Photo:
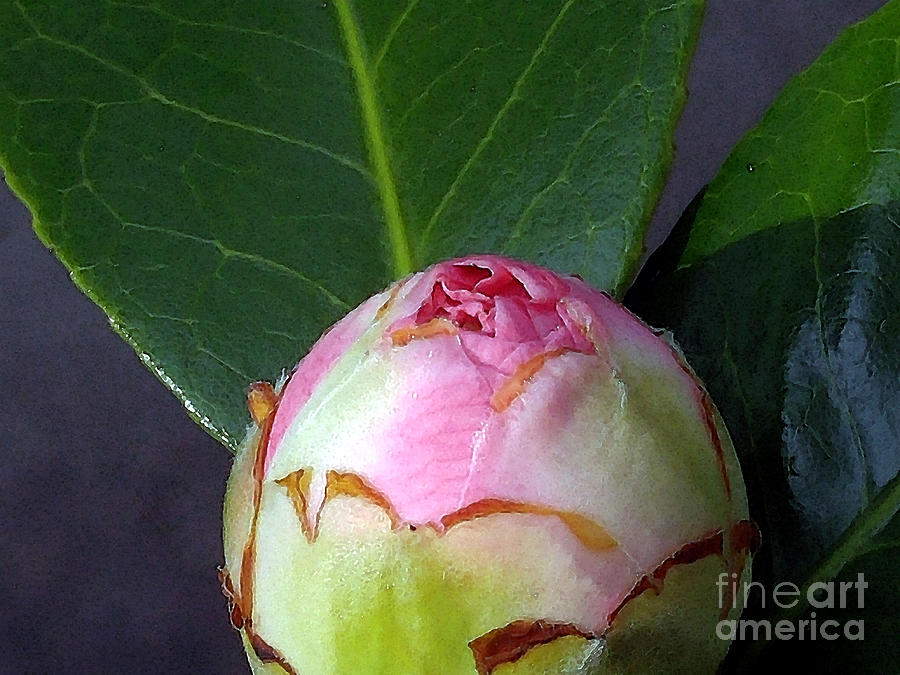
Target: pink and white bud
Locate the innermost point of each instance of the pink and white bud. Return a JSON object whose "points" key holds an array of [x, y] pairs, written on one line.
{"points": [[486, 468]]}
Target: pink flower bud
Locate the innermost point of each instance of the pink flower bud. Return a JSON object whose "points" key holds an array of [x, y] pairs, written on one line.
{"points": [[486, 468]]}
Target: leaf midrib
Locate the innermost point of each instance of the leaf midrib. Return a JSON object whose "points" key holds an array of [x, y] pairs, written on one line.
{"points": [[373, 128]]}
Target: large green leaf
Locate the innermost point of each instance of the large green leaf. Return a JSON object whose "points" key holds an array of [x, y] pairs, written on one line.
{"points": [[785, 297], [227, 179]]}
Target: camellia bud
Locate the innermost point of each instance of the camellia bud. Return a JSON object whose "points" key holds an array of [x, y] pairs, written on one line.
{"points": [[487, 468]]}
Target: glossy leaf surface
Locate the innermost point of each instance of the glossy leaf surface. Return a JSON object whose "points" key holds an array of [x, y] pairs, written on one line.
{"points": [[228, 180], [785, 299]]}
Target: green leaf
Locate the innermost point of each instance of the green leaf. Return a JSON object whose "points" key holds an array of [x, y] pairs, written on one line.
{"points": [[784, 296], [227, 180], [878, 652], [828, 144]]}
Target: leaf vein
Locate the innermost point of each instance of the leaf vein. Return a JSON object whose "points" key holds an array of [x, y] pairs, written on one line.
{"points": [[175, 18], [250, 257], [226, 365], [563, 176], [488, 136], [157, 95], [386, 45]]}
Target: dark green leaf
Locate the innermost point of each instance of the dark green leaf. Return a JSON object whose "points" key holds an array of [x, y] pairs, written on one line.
{"points": [[228, 179], [786, 300], [876, 608]]}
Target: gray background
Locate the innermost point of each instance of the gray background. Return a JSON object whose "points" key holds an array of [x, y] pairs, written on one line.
{"points": [[110, 496]]}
